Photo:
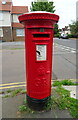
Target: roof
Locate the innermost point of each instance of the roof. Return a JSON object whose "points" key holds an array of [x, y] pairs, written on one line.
{"points": [[13, 9], [19, 9], [6, 0], [7, 6], [17, 25]]}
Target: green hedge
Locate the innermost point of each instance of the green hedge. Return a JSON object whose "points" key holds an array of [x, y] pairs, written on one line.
{"points": [[72, 36]]}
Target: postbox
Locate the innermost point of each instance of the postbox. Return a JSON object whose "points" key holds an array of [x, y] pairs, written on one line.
{"points": [[38, 49]]}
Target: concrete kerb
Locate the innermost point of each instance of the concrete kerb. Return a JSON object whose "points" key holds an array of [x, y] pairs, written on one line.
{"points": [[73, 91], [72, 80], [72, 88]]}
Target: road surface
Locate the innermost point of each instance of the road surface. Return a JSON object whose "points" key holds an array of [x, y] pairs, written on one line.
{"points": [[64, 59]]}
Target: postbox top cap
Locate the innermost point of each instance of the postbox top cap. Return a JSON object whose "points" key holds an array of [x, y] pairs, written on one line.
{"points": [[38, 15]]}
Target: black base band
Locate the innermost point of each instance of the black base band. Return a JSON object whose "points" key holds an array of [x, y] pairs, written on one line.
{"points": [[37, 104]]}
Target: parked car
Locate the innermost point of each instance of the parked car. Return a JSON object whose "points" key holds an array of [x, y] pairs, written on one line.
{"points": [[63, 36]]}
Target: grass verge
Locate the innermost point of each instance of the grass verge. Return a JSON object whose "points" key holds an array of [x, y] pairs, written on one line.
{"points": [[61, 99], [25, 108], [64, 82], [16, 92], [13, 93], [66, 102]]}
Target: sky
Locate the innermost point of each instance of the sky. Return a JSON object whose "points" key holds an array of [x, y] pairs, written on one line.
{"points": [[66, 9]]}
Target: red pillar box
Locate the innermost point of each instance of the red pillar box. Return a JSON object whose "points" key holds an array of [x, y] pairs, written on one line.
{"points": [[38, 48]]}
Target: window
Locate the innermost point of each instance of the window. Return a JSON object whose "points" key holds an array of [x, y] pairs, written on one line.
{"points": [[1, 32], [19, 32], [1, 16], [3, 2]]}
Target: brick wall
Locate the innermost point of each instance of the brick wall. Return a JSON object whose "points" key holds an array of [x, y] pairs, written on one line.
{"points": [[7, 34], [15, 37]]}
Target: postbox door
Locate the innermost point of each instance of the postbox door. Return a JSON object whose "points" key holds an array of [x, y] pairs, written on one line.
{"points": [[39, 62], [43, 68]]}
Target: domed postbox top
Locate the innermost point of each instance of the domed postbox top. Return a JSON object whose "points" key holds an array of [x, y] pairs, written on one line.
{"points": [[38, 15]]}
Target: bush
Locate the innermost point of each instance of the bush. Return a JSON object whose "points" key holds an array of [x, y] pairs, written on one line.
{"points": [[72, 36], [56, 35]]}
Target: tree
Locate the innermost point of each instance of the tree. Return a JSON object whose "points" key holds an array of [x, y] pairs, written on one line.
{"points": [[74, 28], [44, 5], [56, 30]]}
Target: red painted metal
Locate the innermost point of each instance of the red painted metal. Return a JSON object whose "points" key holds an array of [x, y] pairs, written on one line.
{"points": [[38, 72]]}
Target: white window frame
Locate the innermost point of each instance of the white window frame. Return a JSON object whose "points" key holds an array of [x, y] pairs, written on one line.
{"points": [[1, 32], [20, 32], [1, 16]]}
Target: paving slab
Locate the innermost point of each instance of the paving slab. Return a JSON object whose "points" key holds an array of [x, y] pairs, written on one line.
{"points": [[73, 91], [10, 107]]}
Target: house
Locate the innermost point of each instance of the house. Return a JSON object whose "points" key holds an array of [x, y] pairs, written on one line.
{"points": [[65, 30], [10, 28]]}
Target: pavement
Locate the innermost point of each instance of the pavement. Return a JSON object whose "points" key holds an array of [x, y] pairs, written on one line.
{"points": [[10, 107]]}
